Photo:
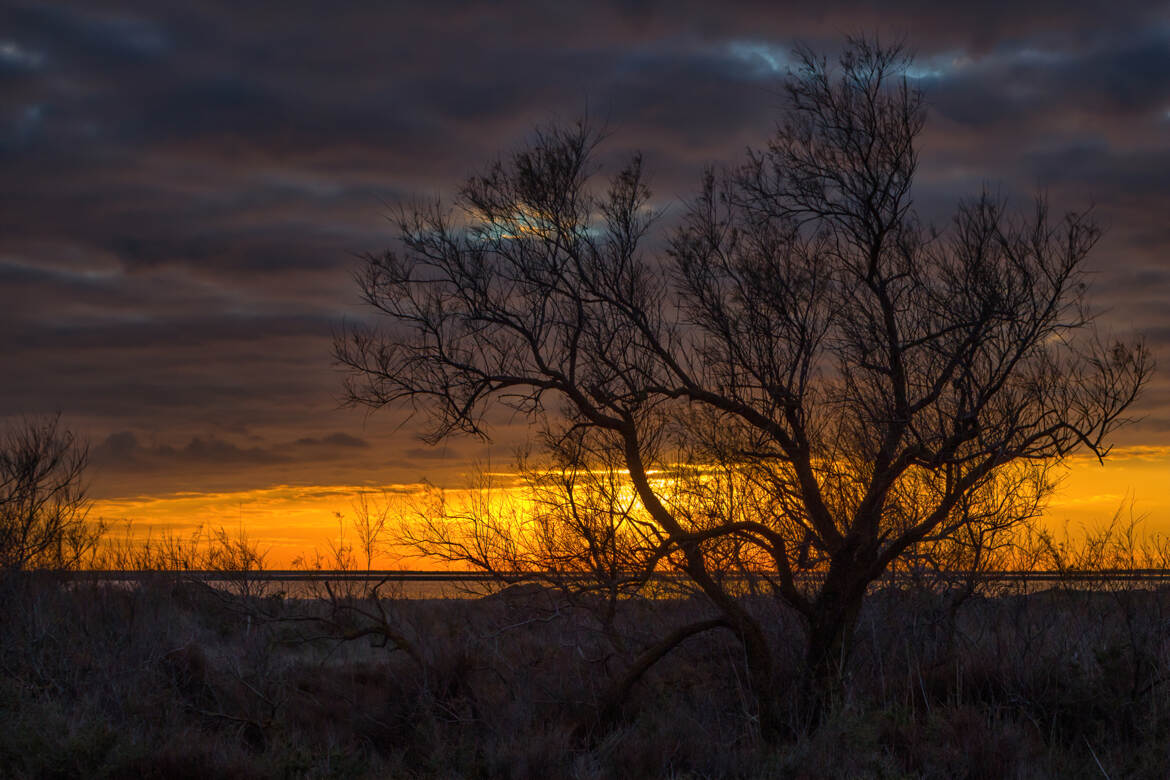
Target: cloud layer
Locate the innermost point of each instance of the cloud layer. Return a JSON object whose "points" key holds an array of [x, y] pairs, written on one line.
{"points": [[186, 184]]}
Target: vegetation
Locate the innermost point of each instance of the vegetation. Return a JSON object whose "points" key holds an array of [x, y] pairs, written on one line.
{"points": [[171, 678], [162, 675], [809, 381], [43, 507]]}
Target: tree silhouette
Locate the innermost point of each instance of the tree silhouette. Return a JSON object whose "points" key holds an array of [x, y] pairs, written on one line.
{"points": [[807, 381], [43, 506]]}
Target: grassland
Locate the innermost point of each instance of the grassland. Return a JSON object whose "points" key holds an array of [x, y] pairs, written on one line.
{"points": [[172, 679]]}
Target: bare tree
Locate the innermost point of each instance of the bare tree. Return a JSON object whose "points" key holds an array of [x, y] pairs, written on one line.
{"points": [[807, 387], [43, 507], [370, 519]]}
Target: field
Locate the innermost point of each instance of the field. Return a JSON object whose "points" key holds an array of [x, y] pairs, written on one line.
{"points": [[171, 678]]}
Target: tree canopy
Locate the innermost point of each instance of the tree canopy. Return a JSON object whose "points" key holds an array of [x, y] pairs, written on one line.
{"points": [[833, 384]]}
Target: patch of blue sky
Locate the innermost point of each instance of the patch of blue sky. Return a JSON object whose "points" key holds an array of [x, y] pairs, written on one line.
{"points": [[770, 59], [951, 63], [937, 66], [15, 55], [1033, 56], [762, 57]]}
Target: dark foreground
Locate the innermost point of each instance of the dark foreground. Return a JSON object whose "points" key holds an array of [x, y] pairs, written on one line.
{"points": [[173, 679]]}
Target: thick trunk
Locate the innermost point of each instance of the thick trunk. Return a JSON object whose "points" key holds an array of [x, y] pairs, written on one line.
{"points": [[829, 639], [762, 674], [761, 667], [830, 636], [757, 651]]}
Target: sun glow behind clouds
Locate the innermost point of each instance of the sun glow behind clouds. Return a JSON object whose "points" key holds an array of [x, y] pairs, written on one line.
{"points": [[1137, 477], [286, 521], [291, 521]]}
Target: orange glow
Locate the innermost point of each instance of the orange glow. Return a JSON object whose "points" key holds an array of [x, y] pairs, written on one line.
{"points": [[291, 521], [286, 521], [1092, 493]]}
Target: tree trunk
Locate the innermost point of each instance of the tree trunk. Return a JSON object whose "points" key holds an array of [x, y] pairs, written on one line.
{"points": [[830, 636], [761, 671], [757, 652]]}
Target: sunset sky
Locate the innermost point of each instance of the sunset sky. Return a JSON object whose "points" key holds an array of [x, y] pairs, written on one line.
{"points": [[186, 187]]}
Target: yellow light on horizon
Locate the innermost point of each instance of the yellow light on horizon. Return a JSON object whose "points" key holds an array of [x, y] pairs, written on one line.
{"points": [[288, 522]]}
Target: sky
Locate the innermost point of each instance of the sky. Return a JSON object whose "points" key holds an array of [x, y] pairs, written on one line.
{"points": [[185, 190]]}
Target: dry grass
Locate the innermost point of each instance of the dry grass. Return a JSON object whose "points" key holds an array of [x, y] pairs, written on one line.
{"points": [[173, 679]]}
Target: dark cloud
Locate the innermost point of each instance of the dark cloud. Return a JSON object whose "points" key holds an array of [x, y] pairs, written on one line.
{"points": [[186, 184], [122, 450], [431, 453], [97, 38], [333, 440]]}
